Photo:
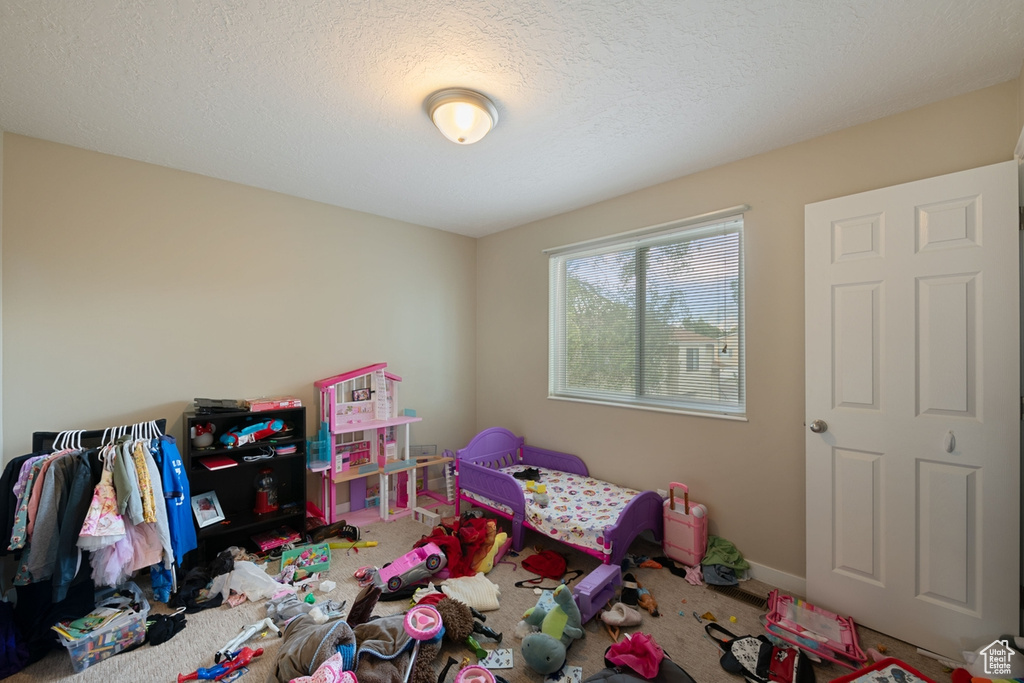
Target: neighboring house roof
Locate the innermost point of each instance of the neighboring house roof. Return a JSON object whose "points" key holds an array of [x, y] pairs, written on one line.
{"points": [[685, 336]]}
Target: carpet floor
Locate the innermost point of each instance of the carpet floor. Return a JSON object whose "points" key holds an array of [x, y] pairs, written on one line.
{"points": [[677, 630]]}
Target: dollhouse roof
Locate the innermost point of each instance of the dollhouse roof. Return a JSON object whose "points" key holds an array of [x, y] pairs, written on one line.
{"points": [[352, 374]]}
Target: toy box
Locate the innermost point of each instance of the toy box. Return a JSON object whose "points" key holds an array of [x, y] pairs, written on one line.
{"points": [[123, 631], [311, 558]]}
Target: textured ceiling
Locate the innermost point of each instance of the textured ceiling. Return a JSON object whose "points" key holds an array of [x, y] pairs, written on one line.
{"points": [[596, 98]]}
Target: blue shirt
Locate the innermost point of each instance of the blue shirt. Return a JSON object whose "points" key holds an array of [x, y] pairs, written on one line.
{"points": [[177, 498]]}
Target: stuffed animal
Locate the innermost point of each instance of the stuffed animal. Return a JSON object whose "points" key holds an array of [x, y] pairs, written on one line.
{"points": [[545, 649], [540, 495]]}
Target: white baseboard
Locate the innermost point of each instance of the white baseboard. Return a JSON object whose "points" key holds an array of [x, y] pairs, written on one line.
{"points": [[789, 583]]}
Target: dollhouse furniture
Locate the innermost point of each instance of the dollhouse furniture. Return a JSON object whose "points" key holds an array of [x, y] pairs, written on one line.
{"points": [[594, 516], [359, 421]]}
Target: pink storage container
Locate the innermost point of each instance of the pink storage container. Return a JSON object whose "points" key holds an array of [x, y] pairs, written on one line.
{"points": [[686, 528]]}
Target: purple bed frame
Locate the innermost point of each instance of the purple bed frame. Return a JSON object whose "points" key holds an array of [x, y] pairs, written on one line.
{"points": [[477, 470]]}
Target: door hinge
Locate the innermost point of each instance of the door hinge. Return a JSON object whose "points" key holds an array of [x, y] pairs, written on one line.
{"points": [[1020, 212]]}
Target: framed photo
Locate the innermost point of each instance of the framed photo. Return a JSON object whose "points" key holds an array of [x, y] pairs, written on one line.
{"points": [[360, 395], [206, 508]]}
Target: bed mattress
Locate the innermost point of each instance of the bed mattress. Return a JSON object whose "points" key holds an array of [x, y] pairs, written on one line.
{"points": [[580, 508]]}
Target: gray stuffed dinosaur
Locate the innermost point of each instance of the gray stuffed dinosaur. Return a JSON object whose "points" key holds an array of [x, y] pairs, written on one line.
{"points": [[544, 650]]}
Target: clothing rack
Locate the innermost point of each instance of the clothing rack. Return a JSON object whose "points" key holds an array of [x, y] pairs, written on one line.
{"points": [[94, 438], [90, 438]]}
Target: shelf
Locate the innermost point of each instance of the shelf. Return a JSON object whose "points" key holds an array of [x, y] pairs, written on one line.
{"points": [[427, 461], [235, 487], [350, 427], [203, 452], [250, 520], [197, 464]]}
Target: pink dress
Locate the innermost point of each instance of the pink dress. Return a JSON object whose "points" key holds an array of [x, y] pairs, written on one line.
{"points": [[103, 526]]}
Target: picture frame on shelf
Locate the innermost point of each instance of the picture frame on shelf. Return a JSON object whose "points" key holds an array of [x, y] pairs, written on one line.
{"points": [[360, 395], [206, 508]]}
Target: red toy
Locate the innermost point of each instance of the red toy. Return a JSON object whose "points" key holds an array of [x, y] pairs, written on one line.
{"points": [[214, 673]]}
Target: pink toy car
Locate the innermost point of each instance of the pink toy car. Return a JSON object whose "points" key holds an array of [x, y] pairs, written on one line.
{"points": [[414, 566]]}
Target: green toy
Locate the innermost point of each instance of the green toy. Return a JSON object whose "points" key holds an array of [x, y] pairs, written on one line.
{"points": [[545, 649]]}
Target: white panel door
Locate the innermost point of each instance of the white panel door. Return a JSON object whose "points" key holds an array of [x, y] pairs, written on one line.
{"points": [[912, 341]]}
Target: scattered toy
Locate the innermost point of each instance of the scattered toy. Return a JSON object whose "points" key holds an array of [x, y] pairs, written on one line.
{"points": [[246, 633], [239, 659], [646, 600], [544, 651], [709, 616]]}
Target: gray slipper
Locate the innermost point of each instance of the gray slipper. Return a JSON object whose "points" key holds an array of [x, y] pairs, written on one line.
{"points": [[621, 615]]}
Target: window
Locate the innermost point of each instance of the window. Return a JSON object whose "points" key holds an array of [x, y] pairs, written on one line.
{"points": [[632, 314], [692, 360]]}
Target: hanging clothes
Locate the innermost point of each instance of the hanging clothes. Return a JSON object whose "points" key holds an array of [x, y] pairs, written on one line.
{"points": [[160, 511], [177, 497], [68, 559], [19, 530], [9, 481], [38, 559], [139, 451], [37, 490], [102, 525], [126, 482]]}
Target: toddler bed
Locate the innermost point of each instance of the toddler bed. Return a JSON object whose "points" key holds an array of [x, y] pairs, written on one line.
{"points": [[594, 516]]}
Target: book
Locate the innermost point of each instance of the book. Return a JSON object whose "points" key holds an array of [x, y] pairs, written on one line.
{"points": [[268, 540], [218, 462], [75, 629], [256, 405]]}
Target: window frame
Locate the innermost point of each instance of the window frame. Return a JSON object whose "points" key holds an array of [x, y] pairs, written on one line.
{"points": [[663, 233]]}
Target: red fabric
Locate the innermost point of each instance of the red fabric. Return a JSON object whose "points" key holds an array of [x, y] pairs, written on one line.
{"points": [[546, 563], [639, 652], [431, 599], [462, 543]]}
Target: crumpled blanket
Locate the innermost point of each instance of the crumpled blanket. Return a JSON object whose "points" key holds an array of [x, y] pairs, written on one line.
{"points": [[721, 551], [307, 645], [382, 649]]}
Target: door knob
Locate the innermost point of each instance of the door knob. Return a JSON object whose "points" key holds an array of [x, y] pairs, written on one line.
{"points": [[819, 426]]}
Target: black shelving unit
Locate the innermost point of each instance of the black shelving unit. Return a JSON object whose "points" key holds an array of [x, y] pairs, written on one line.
{"points": [[235, 486]]}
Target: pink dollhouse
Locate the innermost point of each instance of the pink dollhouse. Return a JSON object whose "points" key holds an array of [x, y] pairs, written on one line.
{"points": [[361, 427]]}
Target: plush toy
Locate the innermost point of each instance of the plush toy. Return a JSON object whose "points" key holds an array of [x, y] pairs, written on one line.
{"points": [[540, 495], [545, 649]]}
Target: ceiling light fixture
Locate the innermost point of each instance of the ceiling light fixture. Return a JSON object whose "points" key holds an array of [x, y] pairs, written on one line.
{"points": [[462, 116]]}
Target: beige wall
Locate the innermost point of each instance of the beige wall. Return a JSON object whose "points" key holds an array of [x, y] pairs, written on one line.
{"points": [[1020, 99], [751, 474], [129, 289]]}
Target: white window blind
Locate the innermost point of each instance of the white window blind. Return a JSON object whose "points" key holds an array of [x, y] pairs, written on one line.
{"points": [[651, 320]]}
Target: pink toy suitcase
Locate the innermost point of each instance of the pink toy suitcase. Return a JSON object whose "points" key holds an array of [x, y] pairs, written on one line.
{"points": [[686, 528]]}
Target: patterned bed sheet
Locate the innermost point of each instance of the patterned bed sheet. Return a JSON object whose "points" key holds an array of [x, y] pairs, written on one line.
{"points": [[580, 508]]}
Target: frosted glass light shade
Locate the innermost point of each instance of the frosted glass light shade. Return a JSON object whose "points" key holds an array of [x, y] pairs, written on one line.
{"points": [[462, 116]]}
